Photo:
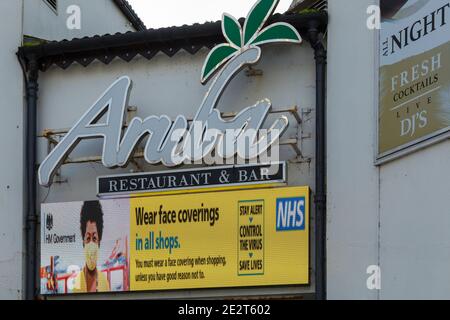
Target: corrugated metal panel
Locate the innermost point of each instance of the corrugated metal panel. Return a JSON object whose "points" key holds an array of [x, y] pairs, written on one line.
{"points": [[147, 43], [298, 5], [320, 5], [53, 4]]}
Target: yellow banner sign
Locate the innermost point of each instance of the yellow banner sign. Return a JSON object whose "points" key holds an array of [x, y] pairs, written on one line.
{"points": [[228, 239], [213, 239]]}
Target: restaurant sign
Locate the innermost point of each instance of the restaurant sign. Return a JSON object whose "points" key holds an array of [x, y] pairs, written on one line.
{"points": [[176, 142], [203, 239], [217, 176]]}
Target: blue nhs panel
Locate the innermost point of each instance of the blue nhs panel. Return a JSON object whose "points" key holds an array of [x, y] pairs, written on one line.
{"points": [[290, 214]]}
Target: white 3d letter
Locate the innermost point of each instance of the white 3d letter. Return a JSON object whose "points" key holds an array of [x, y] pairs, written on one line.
{"points": [[113, 102]]}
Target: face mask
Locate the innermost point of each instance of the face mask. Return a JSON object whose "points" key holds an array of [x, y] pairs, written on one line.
{"points": [[91, 254]]}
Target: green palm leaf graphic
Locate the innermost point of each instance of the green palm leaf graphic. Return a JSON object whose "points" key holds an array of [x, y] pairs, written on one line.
{"points": [[232, 30], [277, 32], [252, 35], [262, 10], [216, 58]]}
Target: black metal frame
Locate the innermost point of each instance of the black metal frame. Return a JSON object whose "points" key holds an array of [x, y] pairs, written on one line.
{"points": [[320, 56], [147, 44]]}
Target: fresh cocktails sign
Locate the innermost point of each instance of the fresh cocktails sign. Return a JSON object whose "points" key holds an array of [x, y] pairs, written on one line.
{"points": [[176, 142], [414, 74]]}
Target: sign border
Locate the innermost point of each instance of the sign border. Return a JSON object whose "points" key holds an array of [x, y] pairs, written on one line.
{"points": [[407, 148], [283, 180]]}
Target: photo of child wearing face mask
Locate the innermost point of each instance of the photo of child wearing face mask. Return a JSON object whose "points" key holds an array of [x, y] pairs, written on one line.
{"points": [[90, 279]]}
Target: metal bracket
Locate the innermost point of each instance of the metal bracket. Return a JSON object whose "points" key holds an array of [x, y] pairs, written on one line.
{"points": [[252, 72]]}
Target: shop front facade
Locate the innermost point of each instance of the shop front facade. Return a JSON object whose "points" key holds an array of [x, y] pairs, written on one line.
{"points": [[347, 213], [217, 223]]}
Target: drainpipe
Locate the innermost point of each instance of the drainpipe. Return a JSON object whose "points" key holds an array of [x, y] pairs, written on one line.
{"points": [[320, 56], [31, 74]]}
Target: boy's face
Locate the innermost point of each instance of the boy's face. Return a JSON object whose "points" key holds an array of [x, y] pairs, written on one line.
{"points": [[91, 234]]}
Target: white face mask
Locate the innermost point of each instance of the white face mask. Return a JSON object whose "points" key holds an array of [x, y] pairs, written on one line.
{"points": [[91, 255]]}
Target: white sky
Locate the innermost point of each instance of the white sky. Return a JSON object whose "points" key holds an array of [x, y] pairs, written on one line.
{"points": [[167, 13]]}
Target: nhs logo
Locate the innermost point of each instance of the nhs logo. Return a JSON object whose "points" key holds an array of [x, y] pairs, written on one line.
{"points": [[291, 214]]}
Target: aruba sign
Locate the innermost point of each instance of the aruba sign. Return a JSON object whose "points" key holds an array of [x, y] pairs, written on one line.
{"points": [[175, 142]]}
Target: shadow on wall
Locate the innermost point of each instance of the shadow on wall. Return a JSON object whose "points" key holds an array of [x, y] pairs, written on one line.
{"points": [[400, 9]]}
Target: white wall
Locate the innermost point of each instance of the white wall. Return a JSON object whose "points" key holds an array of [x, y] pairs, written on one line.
{"points": [[352, 208], [172, 86], [415, 224], [98, 17], [12, 155]]}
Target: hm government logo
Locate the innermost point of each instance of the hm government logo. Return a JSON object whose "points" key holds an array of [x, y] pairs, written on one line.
{"points": [[209, 138], [49, 221]]}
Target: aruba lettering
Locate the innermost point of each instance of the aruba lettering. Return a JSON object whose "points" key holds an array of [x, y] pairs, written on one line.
{"points": [[169, 142]]}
